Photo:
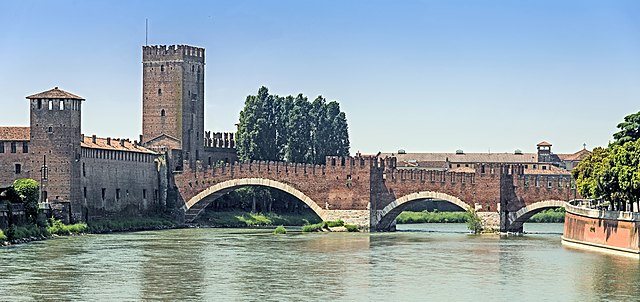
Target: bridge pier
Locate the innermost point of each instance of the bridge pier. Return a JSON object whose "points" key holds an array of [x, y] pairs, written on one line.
{"points": [[361, 218]]}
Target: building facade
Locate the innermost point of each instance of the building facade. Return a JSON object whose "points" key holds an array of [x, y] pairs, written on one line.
{"points": [[98, 177]]}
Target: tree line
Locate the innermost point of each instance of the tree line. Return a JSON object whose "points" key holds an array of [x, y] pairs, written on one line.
{"points": [[291, 129], [612, 174]]}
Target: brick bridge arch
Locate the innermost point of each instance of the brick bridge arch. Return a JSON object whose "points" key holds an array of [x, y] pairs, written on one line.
{"points": [[516, 220], [387, 216], [194, 206]]}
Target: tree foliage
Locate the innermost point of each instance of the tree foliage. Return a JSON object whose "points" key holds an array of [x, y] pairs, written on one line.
{"points": [[629, 129], [291, 129], [612, 174], [29, 192]]}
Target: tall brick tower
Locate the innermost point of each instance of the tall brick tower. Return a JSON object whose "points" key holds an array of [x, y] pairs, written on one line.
{"points": [[55, 146], [173, 98]]}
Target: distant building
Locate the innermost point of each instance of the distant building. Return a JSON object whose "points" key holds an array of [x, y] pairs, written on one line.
{"points": [[542, 162]]}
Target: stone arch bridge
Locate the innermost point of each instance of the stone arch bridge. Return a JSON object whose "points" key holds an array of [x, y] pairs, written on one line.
{"points": [[370, 191]]}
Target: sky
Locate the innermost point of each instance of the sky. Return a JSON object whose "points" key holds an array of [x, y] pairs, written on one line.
{"points": [[423, 76]]}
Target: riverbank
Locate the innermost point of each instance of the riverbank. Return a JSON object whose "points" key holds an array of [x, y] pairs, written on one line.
{"points": [[55, 228], [407, 217], [235, 219]]}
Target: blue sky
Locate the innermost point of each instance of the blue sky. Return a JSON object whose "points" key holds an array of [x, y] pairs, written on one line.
{"points": [[417, 75]]}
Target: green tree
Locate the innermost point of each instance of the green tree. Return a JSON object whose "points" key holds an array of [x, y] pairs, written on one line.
{"points": [[29, 192], [291, 128], [257, 127], [299, 131], [629, 129]]}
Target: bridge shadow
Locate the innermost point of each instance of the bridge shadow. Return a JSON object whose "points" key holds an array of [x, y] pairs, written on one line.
{"points": [[223, 207], [387, 217], [195, 206]]}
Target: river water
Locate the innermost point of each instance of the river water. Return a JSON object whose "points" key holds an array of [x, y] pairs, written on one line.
{"points": [[422, 262]]}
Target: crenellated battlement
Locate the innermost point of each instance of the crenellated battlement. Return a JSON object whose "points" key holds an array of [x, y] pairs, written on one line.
{"points": [[172, 52], [219, 139]]}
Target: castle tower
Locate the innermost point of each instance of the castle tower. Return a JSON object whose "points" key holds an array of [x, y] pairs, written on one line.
{"points": [[173, 98], [544, 151], [55, 146]]}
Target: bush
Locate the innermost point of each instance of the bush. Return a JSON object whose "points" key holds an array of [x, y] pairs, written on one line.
{"points": [[3, 237], [29, 191], [351, 227], [474, 223], [129, 224], [313, 227], [280, 230], [334, 223], [432, 217], [550, 215], [58, 228], [322, 225], [26, 231]]}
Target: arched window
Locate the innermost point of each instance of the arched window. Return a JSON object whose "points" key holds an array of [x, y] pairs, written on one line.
{"points": [[162, 113], [50, 130], [161, 67], [159, 91]]}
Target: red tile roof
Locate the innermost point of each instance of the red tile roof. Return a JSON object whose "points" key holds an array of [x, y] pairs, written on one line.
{"points": [[55, 93], [115, 144], [578, 156], [544, 144], [15, 133]]}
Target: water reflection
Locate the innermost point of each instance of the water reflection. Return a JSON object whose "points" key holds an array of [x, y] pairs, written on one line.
{"points": [[440, 262]]}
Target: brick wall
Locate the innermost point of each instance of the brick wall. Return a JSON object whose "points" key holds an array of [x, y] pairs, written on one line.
{"points": [[8, 163], [130, 182]]}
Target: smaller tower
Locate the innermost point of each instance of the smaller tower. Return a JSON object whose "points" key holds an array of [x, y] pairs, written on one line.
{"points": [[544, 152], [55, 146]]}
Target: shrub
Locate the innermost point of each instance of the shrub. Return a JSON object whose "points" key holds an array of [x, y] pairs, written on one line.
{"points": [[29, 191], [57, 227], [3, 237], [280, 230], [334, 223], [474, 223], [313, 227], [351, 227], [26, 231]]}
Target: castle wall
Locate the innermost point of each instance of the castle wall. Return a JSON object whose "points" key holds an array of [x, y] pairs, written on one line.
{"points": [[118, 183], [9, 160]]}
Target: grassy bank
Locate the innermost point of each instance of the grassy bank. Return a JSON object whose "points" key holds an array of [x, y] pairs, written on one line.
{"points": [[127, 224], [547, 216], [244, 219], [326, 225], [432, 217], [550, 215], [30, 232]]}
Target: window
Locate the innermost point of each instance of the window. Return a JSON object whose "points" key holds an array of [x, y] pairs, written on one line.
{"points": [[544, 167], [193, 68], [13, 147], [50, 104], [161, 67], [117, 194], [104, 191], [159, 91], [39, 103], [144, 193], [25, 147], [50, 130], [162, 113], [18, 168], [61, 104], [84, 171], [1, 147], [84, 193]]}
